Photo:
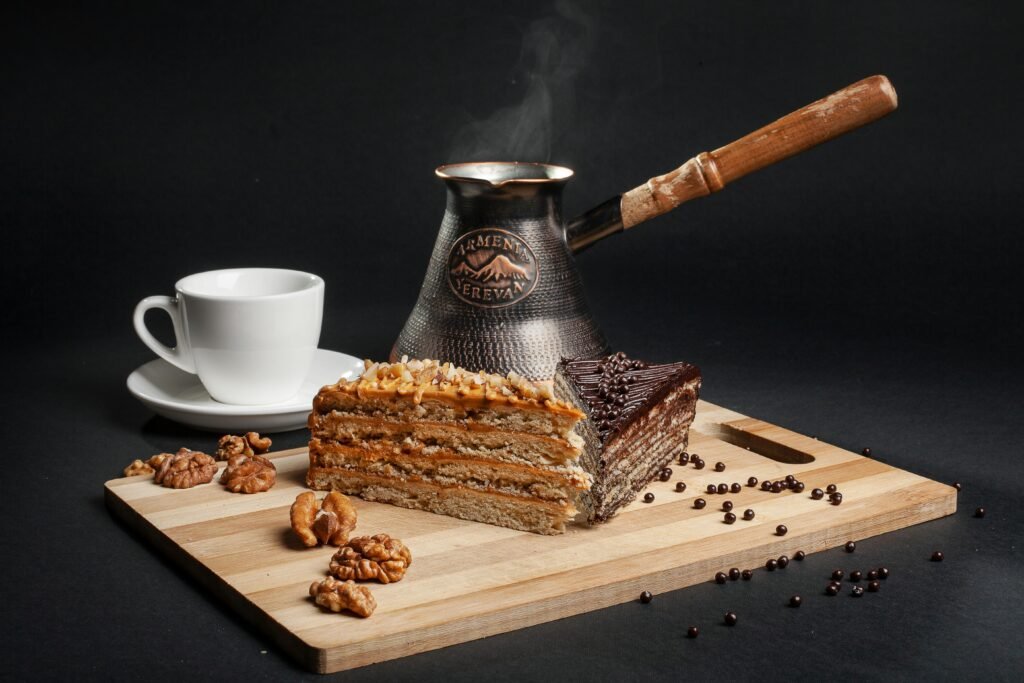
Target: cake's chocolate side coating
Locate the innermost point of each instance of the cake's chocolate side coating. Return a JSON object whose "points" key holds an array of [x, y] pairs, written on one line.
{"points": [[617, 389]]}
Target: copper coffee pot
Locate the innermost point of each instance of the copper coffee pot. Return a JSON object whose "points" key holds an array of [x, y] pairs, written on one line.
{"points": [[502, 291]]}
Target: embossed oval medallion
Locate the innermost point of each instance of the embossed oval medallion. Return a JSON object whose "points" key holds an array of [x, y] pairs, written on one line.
{"points": [[491, 268]]}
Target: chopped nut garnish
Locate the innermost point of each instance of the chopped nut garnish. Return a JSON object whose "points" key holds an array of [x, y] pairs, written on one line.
{"points": [[249, 474], [138, 468], [369, 558], [185, 469], [343, 595], [330, 522], [251, 443]]}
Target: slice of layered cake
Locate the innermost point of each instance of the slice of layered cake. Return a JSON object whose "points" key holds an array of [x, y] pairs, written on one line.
{"points": [[431, 436], [639, 417]]}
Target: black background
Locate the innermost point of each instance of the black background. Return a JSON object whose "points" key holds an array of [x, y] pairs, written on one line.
{"points": [[867, 292]]}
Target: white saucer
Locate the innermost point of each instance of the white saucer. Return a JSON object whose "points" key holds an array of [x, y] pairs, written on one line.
{"points": [[179, 396]]}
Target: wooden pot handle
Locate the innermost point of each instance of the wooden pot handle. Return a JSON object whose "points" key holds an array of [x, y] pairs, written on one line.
{"points": [[852, 107]]}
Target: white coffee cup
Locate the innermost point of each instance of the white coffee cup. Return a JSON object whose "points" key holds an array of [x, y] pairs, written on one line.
{"points": [[250, 334]]}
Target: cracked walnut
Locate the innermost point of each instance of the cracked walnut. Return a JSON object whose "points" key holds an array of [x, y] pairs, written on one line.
{"points": [[369, 558]]}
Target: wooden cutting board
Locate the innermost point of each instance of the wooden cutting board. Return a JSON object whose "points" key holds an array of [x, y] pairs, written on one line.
{"points": [[471, 580]]}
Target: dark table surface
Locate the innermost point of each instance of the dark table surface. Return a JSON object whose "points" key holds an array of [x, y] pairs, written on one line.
{"points": [[867, 293]]}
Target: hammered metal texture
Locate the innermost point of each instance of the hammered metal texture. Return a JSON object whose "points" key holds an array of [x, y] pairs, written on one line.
{"points": [[529, 336]]}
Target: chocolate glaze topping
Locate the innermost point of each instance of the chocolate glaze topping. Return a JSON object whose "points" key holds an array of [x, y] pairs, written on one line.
{"points": [[618, 389]]}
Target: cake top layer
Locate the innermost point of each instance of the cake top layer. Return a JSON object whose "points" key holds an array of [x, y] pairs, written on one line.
{"points": [[617, 389], [431, 379]]}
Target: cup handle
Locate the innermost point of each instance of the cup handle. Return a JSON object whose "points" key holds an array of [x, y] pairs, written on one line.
{"points": [[180, 355]]}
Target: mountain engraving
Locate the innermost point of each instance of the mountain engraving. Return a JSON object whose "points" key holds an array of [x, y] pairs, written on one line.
{"points": [[491, 267]]}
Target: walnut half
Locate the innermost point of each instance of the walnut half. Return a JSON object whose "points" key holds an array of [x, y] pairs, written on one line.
{"points": [[343, 595], [249, 474], [251, 443], [185, 469], [330, 522], [369, 558]]}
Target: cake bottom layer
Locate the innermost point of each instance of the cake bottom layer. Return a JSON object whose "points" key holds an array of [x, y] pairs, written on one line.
{"points": [[536, 516]]}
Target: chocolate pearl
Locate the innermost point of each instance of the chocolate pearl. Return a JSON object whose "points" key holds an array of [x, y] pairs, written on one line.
{"points": [[766, 485], [735, 487], [817, 494], [837, 584], [666, 474], [729, 518], [699, 503], [646, 597], [873, 575], [790, 479], [692, 632], [747, 574], [752, 481], [937, 556], [866, 452], [680, 486], [831, 488], [850, 546], [957, 485], [734, 574], [711, 488], [723, 488], [979, 513], [698, 464], [795, 601], [648, 497], [799, 555], [837, 575], [798, 487], [781, 530], [684, 458], [748, 514], [783, 561], [730, 619], [720, 577], [831, 589], [777, 487], [874, 586], [727, 506], [857, 591], [771, 565], [719, 467], [883, 573], [856, 576], [836, 498]]}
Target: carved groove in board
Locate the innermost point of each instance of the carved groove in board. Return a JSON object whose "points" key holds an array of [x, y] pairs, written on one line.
{"points": [[742, 433]]}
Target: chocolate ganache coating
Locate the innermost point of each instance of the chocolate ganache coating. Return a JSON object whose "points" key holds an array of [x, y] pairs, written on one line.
{"points": [[618, 389]]}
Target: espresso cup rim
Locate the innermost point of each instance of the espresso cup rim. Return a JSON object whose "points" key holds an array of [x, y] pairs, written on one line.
{"points": [[313, 282]]}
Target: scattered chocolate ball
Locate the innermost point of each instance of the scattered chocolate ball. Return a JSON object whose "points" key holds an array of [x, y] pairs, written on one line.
{"points": [[698, 464], [723, 489], [957, 485], [837, 574], [874, 586], [873, 575], [648, 497], [766, 485], [857, 591], [850, 546], [730, 619], [735, 487], [727, 506], [684, 458], [783, 561], [781, 530], [729, 518], [790, 479], [799, 555], [798, 487], [795, 601], [680, 486], [831, 488], [771, 565], [748, 514], [734, 574], [937, 556], [719, 467], [838, 585], [836, 498], [666, 474], [720, 577], [883, 573], [831, 589], [752, 481], [866, 452], [747, 574], [699, 503], [856, 576], [817, 494], [646, 597], [777, 487], [692, 632], [979, 513], [711, 488]]}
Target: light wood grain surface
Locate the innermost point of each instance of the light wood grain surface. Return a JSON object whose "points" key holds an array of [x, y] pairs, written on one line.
{"points": [[471, 580]]}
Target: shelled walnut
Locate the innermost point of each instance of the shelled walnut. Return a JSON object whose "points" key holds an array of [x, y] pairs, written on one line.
{"points": [[329, 522], [372, 558], [248, 474], [138, 468], [251, 443], [186, 469], [343, 595]]}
